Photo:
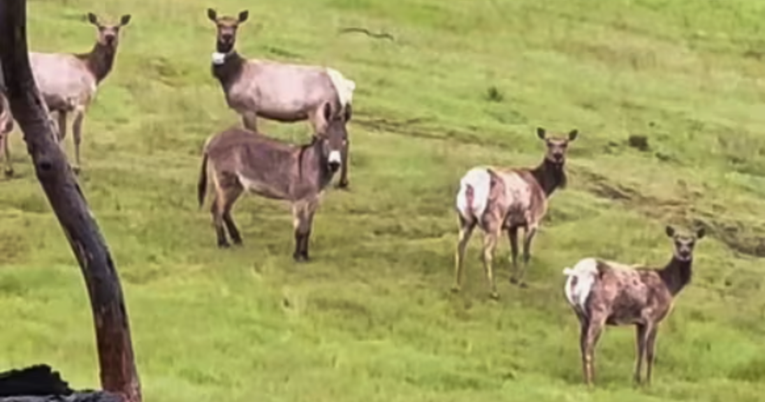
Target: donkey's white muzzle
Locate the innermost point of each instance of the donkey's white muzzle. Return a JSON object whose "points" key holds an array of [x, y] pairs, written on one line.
{"points": [[334, 159]]}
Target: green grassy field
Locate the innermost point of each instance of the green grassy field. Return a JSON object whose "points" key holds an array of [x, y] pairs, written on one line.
{"points": [[371, 318]]}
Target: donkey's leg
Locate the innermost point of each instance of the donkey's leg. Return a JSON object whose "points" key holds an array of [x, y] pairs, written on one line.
{"points": [[650, 349], [490, 237], [529, 234], [79, 115], [466, 230], [217, 218], [232, 194], [344, 183], [307, 225], [301, 228], [640, 344], [7, 153]]}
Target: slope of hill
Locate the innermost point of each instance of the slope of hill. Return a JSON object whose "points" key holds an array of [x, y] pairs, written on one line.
{"points": [[465, 82]]}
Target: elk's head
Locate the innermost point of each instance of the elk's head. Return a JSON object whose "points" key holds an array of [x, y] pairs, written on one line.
{"points": [[684, 244], [108, 34], [556, 146], [226, 26], [334, 137]]}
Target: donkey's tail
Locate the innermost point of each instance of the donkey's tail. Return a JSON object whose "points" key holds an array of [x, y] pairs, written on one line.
{"points": [[579, 283], [202, 184], [473, 196]]}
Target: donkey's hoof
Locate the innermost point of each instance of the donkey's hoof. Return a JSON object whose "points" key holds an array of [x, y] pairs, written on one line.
{"points": [[9, 172], [224, 245], [300, 257]]}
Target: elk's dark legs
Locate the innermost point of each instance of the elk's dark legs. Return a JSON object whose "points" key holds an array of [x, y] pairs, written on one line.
{"points": [[640, 345], [77, 131], [594, 329], [7, 153], [650, 349], [232, 193], [250, 121], [490, 237], [512, 235], [466, 230], [583, 330], [518, 275], [61, 126]]}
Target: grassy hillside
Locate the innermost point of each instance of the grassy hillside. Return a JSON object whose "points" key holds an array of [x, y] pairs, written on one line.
{"points": [[371, 318]]}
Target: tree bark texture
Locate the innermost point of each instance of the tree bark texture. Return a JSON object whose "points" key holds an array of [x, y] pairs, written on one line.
{"points": [[115, 352]]}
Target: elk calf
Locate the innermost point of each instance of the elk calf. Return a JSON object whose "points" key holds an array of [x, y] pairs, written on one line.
{"points": [[239, 160], [608, 293], [277, 91], [497, 199], [6, 126], [68, 82]]}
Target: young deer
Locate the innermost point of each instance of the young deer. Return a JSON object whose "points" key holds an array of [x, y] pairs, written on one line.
{"points": [[499, 199], [277, 91], [242, 160], [68, 82], [609, 293], [6, 126]]}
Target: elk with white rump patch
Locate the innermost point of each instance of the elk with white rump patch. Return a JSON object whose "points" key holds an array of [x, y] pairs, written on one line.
{"points": [[276, 91], [609, 293], [497, 199], [242, 160], [6, 126], [68, 82]]}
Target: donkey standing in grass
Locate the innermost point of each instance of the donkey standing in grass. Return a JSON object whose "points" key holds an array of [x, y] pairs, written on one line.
{"points": [[68, 82], [6, 126], [609, 293], [242, 160], [277, 91], [508, 198]]}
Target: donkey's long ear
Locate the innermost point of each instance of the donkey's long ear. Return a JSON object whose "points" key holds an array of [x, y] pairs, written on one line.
{"points": [[92, 19], [541, 133], [125, 20], [348, 112], [243, 16], [573, 134], [700, 233], [670, 231], [327, 112], [212, 15]]}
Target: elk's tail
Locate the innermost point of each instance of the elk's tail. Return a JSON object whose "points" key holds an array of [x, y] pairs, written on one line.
{"points": [[579, 283], [473, 195], [343, 86], [202, 184]]}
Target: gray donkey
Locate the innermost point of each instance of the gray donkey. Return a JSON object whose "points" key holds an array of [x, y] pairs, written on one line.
{"points": [[276, 91], [6, 126], [68, 82], [239, 160]]}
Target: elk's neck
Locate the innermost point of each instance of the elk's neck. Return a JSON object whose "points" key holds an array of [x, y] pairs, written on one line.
{"points": [[229, 71], [676, 275], [550, 176], [100, 60]]}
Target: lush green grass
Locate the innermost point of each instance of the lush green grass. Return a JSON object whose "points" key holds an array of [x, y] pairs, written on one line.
{"points": [[371, 317]]}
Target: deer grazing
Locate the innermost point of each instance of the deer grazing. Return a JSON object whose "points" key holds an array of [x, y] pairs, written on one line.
{"points": [[6, 126], [68, 82], [277, 91], [609, 293], [242, 160], [497, 199]]}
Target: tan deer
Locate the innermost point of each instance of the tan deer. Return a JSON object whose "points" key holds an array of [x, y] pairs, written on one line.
{"points": [[277, 91], [497, 199], [68, 82], [609, 293]]}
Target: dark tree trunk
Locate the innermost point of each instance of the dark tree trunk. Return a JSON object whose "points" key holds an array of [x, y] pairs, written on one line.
{"points": [[115, 351]]}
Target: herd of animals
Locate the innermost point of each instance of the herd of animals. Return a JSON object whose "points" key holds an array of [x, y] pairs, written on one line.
{"points": [[240, 159]]}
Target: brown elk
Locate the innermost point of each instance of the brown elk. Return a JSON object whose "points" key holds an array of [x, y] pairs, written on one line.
{"points": [[68, 82], [609, 293], [6, 126], [239, 160], [499, 199], [276, 91]]}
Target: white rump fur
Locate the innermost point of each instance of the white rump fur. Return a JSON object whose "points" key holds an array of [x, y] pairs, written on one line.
{"points": [[343, 86], [585, 271], [480, 179]]}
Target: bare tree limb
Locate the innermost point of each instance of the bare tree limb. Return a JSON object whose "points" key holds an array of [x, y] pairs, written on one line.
{"points": [[376, 35], [115, 351]]}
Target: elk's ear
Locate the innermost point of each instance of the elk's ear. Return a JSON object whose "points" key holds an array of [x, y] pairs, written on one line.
{"points": [[670, 231], [243, 16], [573, 134], [125, 20], [327, 112], [541, 133], [348, 112], [700, 233], [212, 15], [92, 19]]}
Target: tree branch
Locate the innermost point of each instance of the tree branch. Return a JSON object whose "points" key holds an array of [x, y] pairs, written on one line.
{"points": [[115, 351]]}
